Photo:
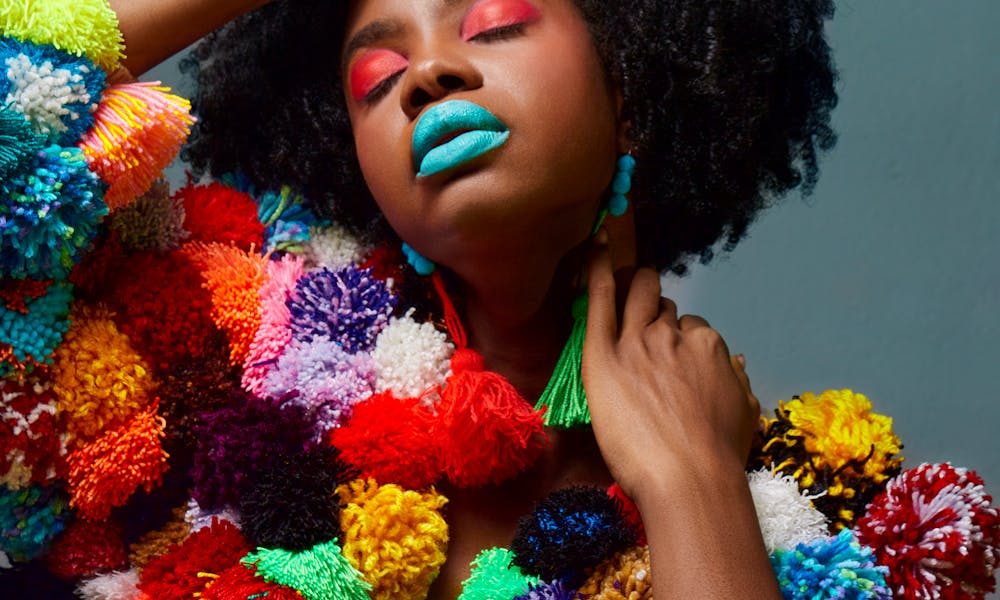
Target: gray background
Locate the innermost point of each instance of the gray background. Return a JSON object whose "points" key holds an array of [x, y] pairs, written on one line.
{"points": [[886, 280]]}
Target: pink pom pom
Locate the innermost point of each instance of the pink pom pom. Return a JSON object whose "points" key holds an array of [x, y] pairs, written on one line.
{"points": [[934, 528]]}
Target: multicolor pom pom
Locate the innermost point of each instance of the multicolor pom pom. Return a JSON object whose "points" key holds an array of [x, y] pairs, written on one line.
{"points": [[935, 529], [570, 531], [835, 567], [318, 573], [495, 577], [287, 219], [29, 520], [30, 434], [81, 27]]}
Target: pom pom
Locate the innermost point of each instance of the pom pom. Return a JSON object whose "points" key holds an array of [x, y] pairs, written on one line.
{"points": [[936, 531], [218, 213], [49, 213], [318, 573], [32, 333], [81, 27], [86, 548], [118, 585], [488, 432], [629, 511], [290, 504], [786, 515], [105, 472], [18, 143], [396, 537], [234, 442], [332, 247], [836, 448], [138, 130], [54, 90], [155, 221], [198, 518], [160, 303], [347, 306], [555, 590], [99, 379], [242, 583], [327, 380], [494, 577], [410, 357], [179, 574], [29, 520], [159, 541], [570, 531], [391, 441], [625, 575], [273, 334], [835, 567], [234, 278], [34, 451], [287, 219]]}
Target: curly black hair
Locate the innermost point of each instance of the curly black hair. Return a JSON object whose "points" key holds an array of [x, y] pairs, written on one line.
{"points": [[729, 105]]}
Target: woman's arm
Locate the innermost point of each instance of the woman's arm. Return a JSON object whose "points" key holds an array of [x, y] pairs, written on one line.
{"points": [[675, 424], [156, 29]]}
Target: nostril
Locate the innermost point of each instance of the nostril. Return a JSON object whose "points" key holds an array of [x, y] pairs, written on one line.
{"points": [[451, 82], [420, 98]]}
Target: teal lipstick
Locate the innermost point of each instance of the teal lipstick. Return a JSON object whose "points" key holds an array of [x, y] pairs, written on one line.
{"points": [[468, 131]]}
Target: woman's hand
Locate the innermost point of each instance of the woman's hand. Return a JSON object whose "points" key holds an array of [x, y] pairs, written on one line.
{"points": [[665, 395]]}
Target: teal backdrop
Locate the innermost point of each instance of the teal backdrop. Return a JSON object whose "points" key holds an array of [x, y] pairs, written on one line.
{"points": [[887, 279]]}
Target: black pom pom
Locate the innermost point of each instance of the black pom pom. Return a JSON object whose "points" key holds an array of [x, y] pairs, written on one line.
{"points": [[292, 504], [572, 530]]}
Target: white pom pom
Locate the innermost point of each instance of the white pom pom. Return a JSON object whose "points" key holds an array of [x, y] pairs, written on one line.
{"points": [[198, 518], [332, 247], [786, 516], [42, 92], [5, 561], [410, 357], [118, 585]]}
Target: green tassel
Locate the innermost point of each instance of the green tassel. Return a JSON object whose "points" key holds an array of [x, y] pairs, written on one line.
{"points": [[564, 397], [319, 573], [18, 143], [495, 577]]}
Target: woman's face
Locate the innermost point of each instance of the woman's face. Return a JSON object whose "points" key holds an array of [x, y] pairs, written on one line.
{"points": [[519, 164]]}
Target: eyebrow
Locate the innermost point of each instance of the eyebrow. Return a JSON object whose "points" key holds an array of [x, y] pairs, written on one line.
{"points": [[371, 34]]}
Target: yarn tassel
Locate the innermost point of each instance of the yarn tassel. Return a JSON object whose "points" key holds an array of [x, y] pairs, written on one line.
{"points": [[564, 399]]}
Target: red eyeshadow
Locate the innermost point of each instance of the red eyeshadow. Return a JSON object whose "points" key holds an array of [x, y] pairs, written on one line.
{"points": [[493, 14], [372, 68]]}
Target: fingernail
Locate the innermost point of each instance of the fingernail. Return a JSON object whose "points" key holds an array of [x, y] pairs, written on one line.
{"points": [[601, 237], [742, 360]]}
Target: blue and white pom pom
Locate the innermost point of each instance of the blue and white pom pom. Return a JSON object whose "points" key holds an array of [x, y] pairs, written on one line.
{"points": [[835, 567]]}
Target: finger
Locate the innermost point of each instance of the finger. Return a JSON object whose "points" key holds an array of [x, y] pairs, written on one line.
{"points": [[602, 319], [642, 306], [739, 367], [668, 311], [692, 322]]}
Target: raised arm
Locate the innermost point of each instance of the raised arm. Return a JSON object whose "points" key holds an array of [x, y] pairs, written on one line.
{"points": [[156, 29]]}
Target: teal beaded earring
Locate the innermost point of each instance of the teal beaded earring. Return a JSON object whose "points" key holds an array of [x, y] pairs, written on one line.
{"points": [[621, 184], [421, 264]]}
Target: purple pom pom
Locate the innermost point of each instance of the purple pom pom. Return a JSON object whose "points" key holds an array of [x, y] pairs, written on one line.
{"points": [[555, 590]]}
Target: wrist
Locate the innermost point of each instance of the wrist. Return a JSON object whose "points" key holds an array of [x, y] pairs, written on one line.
{"points": [[691, 479]]}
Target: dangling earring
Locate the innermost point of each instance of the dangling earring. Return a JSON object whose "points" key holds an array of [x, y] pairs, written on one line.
{"points": [[422, 265], [621, 185]]}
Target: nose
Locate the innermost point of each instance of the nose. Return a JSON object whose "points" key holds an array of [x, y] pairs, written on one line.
{"points": [[434, 75]]}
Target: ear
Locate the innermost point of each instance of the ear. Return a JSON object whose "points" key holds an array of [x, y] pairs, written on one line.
{"points": [[624, 125]]}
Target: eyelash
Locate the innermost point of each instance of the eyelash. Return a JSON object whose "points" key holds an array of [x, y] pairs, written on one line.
{"points": [[490, 35]]}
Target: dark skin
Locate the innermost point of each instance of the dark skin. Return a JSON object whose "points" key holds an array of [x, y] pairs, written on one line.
{"points": [[512, 230]]}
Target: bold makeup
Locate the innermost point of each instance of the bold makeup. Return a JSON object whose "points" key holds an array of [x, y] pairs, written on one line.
{"points": [[372, 68], [487, 15], [453, 133]]}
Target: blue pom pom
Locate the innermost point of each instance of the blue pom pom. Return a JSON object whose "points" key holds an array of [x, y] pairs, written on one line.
{"points": [[56, 91], [49, 214], [18, 143], [555, 590], [836, 567], [33, 336], [349, 306], [29, 520]]}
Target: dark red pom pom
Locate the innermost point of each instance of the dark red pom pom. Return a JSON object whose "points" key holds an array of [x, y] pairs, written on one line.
{"points": [[86, 548], [219, 213], [241, 583]]}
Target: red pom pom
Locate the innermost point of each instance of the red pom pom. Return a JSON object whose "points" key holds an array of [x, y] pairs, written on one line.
{"points": [[386, 262], [629, 510], [489, 433], [86, 548], [391, 441], [34, 451], [241, 583], [218, 213], [936, 531], [174, 575]]}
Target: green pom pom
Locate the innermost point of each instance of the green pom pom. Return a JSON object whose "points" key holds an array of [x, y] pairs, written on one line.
{"points": [[564, 399], [18, 143], [319, 573], [81, 27], [494, 577]]}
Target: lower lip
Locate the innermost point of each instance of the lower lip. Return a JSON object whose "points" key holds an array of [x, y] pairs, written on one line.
{"points": [[461, 150]]}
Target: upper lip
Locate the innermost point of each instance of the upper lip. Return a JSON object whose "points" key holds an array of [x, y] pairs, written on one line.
{"points": [[444, 121]]}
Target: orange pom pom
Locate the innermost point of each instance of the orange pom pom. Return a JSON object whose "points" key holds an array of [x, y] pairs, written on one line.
{"points": [[138, 130], [234, 278], [105, 472], [489, 432]]}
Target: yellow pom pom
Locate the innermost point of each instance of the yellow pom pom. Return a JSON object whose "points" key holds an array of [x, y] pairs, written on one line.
{"points": [[138, 130], [98, 378], [81, 27], [624, 576], [234, 278], [396, 537], [835, 446]]}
